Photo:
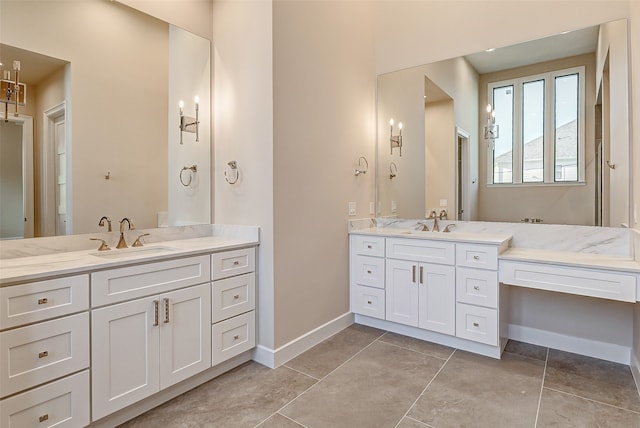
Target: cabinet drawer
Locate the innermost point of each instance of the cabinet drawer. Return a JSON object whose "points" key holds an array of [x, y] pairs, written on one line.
{"points": [[477, 324], [232, 296], [367, 245], [367, 301], [232, 263], [42, 352], [367, 270], [477, 287], [420, 250], [117, 285], [61, 404], [583, 282], [232, 337], [38, 301], [477, 256]]}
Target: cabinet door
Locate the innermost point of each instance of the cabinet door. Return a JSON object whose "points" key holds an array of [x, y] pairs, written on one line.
{"points": [[437, 307], [402, 292], [185, 333], [124, 355]]}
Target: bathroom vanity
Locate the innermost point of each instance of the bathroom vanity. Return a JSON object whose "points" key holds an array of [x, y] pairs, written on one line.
{"points": [[454, 288], [90, 337]]}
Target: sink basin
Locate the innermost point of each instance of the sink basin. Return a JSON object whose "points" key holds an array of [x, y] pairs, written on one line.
{"points": [[133, 252]]}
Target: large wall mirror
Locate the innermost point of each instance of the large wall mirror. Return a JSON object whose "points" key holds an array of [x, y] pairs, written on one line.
{"points": [[561, 155], [99, 134]]}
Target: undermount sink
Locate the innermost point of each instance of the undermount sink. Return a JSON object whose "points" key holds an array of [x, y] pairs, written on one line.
{"points": [[133, 252]]}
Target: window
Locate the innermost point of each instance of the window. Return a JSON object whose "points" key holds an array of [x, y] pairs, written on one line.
{"points": [[541, 123]]}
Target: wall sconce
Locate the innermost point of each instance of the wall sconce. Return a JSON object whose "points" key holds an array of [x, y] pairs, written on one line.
{"points": [[12, 91], [187, 123], [396, 141], [491, 130]]}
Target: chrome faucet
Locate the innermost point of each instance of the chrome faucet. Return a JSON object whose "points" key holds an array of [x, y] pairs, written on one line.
{"points": [[121, 242], [101, 222]]}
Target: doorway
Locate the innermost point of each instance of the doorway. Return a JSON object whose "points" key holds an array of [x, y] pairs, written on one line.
{"points": [[462, 174]]}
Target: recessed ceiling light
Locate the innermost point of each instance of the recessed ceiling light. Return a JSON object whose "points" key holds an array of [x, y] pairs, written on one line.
{"points": [[490, 50], [565, 32]]}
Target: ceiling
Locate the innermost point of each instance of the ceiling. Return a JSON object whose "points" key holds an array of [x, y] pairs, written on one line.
{"points": [[33, 66], [554, 47]]}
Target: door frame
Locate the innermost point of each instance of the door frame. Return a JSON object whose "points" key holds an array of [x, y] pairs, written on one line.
{"points": [[48, 206]]}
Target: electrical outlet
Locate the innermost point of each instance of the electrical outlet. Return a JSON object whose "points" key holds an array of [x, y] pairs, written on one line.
{"points": [[394, 206], [372, 208], [352, 208]]}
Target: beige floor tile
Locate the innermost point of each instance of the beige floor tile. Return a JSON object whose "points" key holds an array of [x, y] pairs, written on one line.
{"points": [[279, 421], [374, 389], [242, 397], [433, 349], [325, 357], [567, 411], [587, 377], [526, 350], [476, 391]]}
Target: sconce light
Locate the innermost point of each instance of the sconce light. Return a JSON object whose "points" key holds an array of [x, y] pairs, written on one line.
{"points": [[396, 141], [12, 91], [187, 123], [491, 130]]}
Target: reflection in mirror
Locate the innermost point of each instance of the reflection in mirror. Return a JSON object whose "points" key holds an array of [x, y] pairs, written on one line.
{"points": [[549, 163], [105, 119]]}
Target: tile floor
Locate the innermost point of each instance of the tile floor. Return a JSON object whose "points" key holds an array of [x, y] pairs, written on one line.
{"points": [[364, 377]]}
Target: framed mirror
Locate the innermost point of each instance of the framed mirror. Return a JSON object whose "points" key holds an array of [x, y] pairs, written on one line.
{"points": [[106, 116], [561, 106]]}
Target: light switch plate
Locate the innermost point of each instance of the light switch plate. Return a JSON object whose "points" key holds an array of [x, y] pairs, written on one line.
{"points": [[444, 202], [394, 206], [352, 208], [372, 208]]}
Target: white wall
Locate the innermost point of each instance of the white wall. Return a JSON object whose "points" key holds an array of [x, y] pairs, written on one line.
{"points": [[440, 156], [189, 76], [243, 131]]}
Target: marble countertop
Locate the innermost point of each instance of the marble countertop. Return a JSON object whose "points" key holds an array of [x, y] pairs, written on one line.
{"points": [[574, 259], [22, 269], [453, 236]]}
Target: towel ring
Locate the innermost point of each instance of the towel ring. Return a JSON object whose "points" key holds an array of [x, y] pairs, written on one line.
{"points": [[193, 169], [359, 169], [393, 170], [234, 167], [611, 165]]}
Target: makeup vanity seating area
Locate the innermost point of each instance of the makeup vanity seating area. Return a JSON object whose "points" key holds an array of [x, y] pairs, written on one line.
{"points": [[454, 288], [95, 338]]}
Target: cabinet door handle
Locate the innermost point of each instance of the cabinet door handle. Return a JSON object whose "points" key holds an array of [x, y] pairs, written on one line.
{"points": [[421, 274], [413, 273], [166, 310], [43, 418], [43, 354], [155, 310], [43, 301]]}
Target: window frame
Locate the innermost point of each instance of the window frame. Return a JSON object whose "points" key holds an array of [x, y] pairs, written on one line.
{"points": [[549, 152]]}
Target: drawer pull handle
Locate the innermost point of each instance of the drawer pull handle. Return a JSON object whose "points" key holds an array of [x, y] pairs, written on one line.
{"points": [[475, 324], [43, 418], [43, 301], [368, 302], [43, 354], [476, 287], [236, 263], [476, 257], [369, 272], [155, 310], [369, 247], [236, 337], [166, 310], [237, 296]]}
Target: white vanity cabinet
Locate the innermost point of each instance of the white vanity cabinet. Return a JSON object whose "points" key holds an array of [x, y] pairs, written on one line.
{"points": [[142, 346], [44, 353], [233, 304], [367, 272], [419, 293]]}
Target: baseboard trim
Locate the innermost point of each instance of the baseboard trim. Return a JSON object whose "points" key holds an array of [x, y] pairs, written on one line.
{"points": [[635, 370], [275, 358], [577, 345]]}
